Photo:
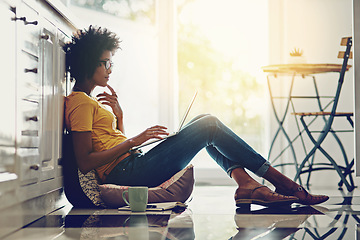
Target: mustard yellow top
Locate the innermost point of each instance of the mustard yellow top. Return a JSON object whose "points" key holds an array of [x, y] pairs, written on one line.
{"points": [[85, 114]]}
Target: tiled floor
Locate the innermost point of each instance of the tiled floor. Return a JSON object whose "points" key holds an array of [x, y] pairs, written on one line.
{"points": [[210, 215]]}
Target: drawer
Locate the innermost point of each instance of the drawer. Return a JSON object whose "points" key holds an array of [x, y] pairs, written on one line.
{"points": [[30, 43], [29, 113], [28, 92], [29, 77], [28, 139], [28, 124], [28, 165], [29, 38], [29, 70], [28, 29]]}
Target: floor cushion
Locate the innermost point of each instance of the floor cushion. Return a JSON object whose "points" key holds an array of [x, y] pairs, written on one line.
{"points": [[177, 189]]}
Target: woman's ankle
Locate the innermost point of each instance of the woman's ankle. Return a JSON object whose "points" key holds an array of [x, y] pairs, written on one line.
{"points": [[242, 178], [279, 180]]}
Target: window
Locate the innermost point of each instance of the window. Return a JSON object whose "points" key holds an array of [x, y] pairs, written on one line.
{"points": [[222, 46]]}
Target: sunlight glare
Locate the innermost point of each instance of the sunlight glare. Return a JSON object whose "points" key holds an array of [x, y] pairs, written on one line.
{"points": [[238, 32]]}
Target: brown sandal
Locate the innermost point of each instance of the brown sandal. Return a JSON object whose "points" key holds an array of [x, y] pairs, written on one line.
{"points": [[245, 197], [308, 199]]}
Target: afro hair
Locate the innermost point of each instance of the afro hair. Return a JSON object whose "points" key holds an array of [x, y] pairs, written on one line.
{"points": [[84, 50]]}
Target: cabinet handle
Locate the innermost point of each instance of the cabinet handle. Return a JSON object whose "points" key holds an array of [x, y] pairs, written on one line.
{"points": [[34, 118], [45, 36], [33, 23], [35, 167], [34, 70], [24, 20], [20, 18]]}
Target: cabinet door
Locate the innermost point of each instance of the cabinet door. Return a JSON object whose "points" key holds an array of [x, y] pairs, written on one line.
{"points": [[61, 81], [49, 114], [7, 90]]}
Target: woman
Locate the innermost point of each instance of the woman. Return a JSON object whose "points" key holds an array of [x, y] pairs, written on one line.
{"points": [[100, 143]]}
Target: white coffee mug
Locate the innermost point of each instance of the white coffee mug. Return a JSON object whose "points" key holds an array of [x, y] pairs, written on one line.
{"points": [[138, 198]]}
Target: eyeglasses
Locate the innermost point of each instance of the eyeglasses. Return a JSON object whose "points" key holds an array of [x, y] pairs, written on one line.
{"points": [[108, 64]]}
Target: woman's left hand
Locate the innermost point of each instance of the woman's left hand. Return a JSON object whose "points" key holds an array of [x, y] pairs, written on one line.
{"points": [[112, 101]]}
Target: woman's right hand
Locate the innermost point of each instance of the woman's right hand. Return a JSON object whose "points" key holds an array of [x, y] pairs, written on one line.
{"points": [[155, 132]]}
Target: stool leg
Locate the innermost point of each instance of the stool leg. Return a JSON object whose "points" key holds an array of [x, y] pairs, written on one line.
{"points": [[348, 172], [317, 146], [281, 121]]}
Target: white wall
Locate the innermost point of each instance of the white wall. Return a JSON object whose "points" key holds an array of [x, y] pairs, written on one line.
{"points": [[316, 27]]}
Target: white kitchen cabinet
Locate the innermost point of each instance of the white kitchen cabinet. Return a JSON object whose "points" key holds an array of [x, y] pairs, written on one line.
{"points": [[41, 67], [32, 90]]}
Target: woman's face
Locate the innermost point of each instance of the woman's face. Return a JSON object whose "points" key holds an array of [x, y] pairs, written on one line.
{"points": [[101, 74]]}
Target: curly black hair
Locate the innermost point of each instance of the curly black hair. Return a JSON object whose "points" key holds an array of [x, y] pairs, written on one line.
{"points": [[85, 49]]}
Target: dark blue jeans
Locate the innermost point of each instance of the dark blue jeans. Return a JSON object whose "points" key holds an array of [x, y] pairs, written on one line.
{"points": [[174, 154]]}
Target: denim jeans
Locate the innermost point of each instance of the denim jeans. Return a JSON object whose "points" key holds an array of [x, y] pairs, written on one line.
{"points": [[174, 154]]}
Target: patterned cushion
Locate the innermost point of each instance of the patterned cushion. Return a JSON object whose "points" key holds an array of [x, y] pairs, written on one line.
{"points": [[90, 186]]}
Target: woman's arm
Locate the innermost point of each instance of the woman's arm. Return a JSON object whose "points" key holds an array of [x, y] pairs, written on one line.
{"points": [[88, 160]]}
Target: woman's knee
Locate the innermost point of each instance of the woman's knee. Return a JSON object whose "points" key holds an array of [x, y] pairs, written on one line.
{"points": [[210, 119], [204, 124], [198, 117]]}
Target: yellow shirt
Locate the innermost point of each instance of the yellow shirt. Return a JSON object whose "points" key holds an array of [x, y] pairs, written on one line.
{"points": [[86, 114]]}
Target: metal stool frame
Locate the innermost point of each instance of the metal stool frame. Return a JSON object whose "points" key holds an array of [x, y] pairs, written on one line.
{"points": [[328, 118]]}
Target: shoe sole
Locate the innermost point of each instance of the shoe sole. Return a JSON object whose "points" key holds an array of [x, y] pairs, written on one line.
{"points": [[279, 203]]}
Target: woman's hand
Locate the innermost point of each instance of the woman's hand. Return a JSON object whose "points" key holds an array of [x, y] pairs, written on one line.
{"points": [[112, 101], [155, 132]]}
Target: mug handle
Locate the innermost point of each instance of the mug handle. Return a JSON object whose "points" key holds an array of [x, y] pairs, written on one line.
{"points": [[124, 198]]}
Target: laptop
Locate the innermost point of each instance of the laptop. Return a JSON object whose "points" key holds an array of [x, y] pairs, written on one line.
{"points": [[171, 134]]}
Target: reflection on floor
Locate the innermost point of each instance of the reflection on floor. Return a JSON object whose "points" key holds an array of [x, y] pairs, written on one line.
{"points": [[210, 215]]}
